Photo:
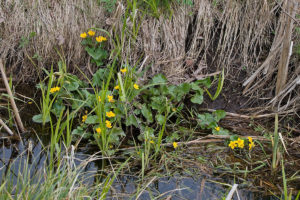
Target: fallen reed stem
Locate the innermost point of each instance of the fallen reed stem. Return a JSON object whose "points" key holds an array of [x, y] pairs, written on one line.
{"points": [[11, 98]]}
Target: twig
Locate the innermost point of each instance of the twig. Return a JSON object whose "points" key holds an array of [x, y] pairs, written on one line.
{"points": [[12, 101], [6, 127], [206, 139], [230, 194], [229, 114]]}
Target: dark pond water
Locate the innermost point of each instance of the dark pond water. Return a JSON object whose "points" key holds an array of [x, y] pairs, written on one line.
{"points": [[176, 187]]}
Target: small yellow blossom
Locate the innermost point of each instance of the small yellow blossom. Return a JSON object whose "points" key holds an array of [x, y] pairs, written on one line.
{"points": [[217, 128], [110, 114], [250, 139], [110, 98], [111, 146], [108, 124], [98, 130], [100, 39], [99, 98], [83, 35], [136, 86], [251, 145], [240, 143], [174, 109], [232, 144], [54, 89], [117, 87], [151, 142], [124, 70], [175, 145], [84, 117], [91, 33], [30, 102]]}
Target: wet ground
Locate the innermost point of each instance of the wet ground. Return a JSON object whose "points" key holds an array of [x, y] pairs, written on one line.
{"points": [[178, 185]]}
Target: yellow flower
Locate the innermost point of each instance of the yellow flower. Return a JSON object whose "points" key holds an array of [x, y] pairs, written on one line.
{"points": [[117, 87], [110, 114], [136, 86], [54, 89], [250, 139], [151, 142], [175, 145], [83, 35], [174, 109], [217, 128], [100, 39], [30, 102], [98, 130], [99, 98], [108, 124], [84, 117], [91, 33], [110, 98], [232, 144], [240, 143], [111, 146], [251, 145], [124, 70]]}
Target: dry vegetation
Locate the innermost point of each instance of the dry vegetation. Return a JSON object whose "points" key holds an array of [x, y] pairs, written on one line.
{"points": [[240, 36]]}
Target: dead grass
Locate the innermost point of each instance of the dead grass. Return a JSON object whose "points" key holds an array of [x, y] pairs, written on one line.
{"points": [[57, 24]]}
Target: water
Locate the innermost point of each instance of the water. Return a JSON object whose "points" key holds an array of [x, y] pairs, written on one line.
{"points": [[179, 186]]}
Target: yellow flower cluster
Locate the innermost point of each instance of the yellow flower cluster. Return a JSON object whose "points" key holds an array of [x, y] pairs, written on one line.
{"points": [[110, 114], [98, 130], [84, 117], [241, 143], [117, 87], [83, 35], [251, 143], [101, 39], [92, 33], [54, 89], [237, 143], [175, 145], [217, 128], [110, 98], [108, 124], [124, 70], [136, 86]]}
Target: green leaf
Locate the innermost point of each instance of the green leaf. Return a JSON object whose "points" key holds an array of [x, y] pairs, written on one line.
{"points": [[160, 119], [185, 88], [57, 107], [131, 120], [80, 132], [92, 119], [97, 54], [206, 82], [159, 79], [115, 135], [100, 76], [71, 86], [197, 98], [206, 120], [39, 118], [157, 103], [147, 113], [219, 114]]}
